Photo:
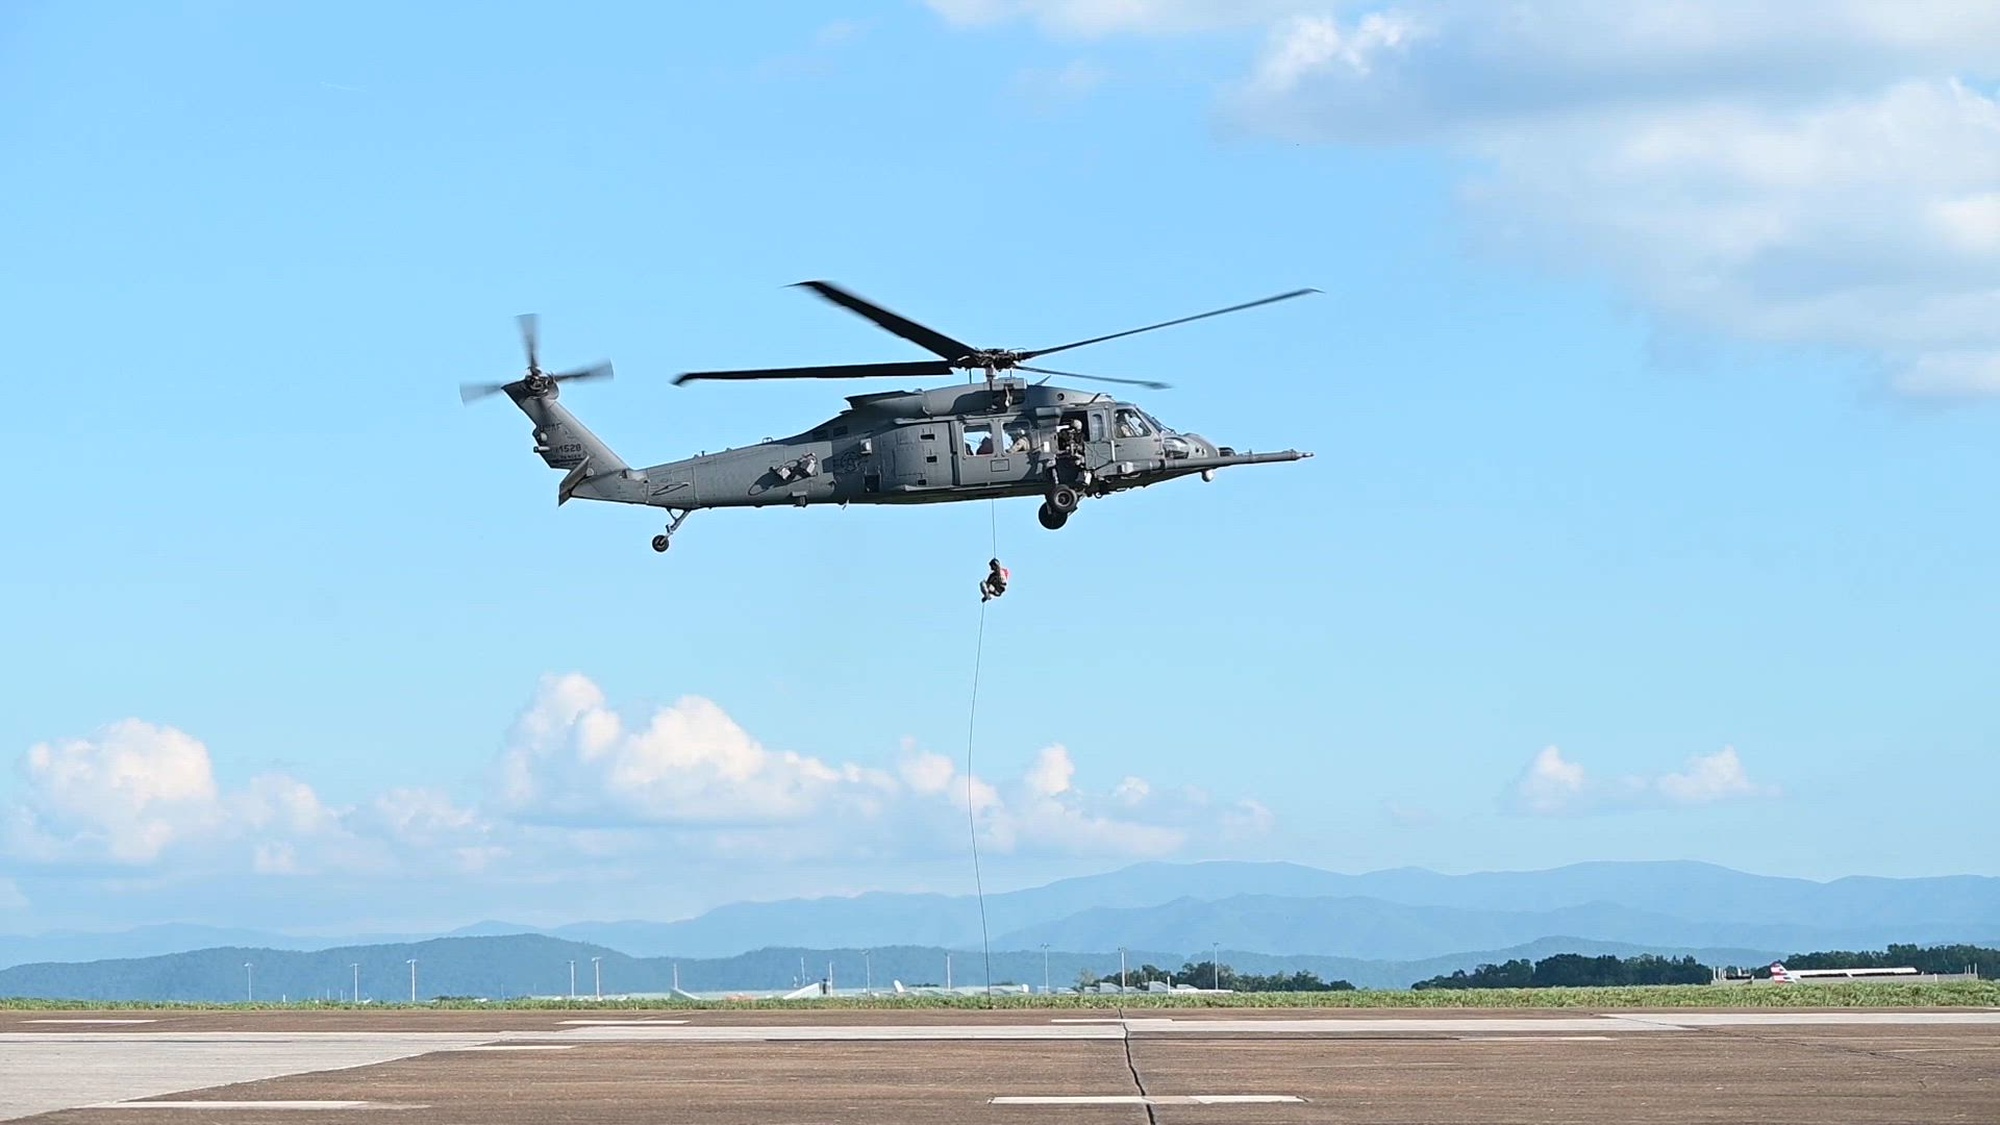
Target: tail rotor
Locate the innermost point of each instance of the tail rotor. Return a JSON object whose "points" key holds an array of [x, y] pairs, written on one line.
{"points": [[536, 381]]}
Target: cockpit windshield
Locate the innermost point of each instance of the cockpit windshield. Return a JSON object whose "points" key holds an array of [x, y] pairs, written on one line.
{"points": [[1133, 423], [1157, 427]]}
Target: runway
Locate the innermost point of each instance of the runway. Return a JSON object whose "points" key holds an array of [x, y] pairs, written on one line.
{"points": [[421, 1067]]}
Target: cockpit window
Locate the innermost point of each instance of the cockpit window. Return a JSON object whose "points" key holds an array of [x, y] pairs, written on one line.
{"points": [[1131, 424], [1156, 424]]}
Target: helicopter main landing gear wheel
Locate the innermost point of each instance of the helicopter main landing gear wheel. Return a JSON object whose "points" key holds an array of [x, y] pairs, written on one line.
{"points": [[1052, 519], [1063, 499]]}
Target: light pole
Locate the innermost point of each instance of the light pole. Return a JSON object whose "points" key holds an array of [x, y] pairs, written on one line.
{"points": [[413, 980], [1215, 962], [867, 974], [572, 978], [356, 966], [1045, 968], [597, 970], [1121, 968], [249, 991]]}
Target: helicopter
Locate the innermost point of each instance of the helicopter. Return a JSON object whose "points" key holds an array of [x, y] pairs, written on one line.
{"points": [[1008, 438]]}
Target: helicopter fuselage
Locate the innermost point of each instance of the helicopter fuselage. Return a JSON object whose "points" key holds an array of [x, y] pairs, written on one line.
{"points": [[933, 446], [946, 444]]}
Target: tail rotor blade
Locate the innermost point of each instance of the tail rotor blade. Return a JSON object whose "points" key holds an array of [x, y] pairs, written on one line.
{"points": [[530, 331], [473, 392], [597, 371], [1096, 378]]}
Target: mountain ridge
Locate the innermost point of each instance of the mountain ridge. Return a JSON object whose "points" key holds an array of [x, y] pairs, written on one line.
{"points": [[509, 966], [1690, 903]]}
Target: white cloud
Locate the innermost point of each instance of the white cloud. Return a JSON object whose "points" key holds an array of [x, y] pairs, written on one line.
{"points": [[572, 758], [1553, 785], [1803, 174], [1131, 791], [133, 793], [1715, 777], [1247, 819], [1091, 18], [691, 769], [1051, 773], [925, 772], [578, 790]]}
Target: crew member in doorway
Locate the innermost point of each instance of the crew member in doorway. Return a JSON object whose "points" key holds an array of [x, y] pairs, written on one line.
{"points": [[995, 582]]}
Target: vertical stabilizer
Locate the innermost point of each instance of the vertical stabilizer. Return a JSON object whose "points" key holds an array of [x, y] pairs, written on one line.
{"points": [[592, 470]]}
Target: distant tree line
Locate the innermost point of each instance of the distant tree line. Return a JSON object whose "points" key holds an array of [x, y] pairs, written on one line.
{"points": [[1206, 975], [1925, 959], [1574, 970]]}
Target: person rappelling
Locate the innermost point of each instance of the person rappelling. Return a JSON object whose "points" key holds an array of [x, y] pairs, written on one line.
{"points": [[995, 582]]}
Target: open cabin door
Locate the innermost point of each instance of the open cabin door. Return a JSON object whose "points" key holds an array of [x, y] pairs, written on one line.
{"points": [[993, 451]]}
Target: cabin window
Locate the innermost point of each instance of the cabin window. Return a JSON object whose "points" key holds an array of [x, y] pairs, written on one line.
{"points": [[1017, 437], [840, 431], [979, 440], [819, 435]]}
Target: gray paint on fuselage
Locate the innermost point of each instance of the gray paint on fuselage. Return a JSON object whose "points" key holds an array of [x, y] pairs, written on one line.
{"points": [[894, 447]]}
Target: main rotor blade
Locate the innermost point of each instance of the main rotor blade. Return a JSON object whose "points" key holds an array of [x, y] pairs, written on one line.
{"points": [[1167, 323], [1093, 378], [917, 370], [909, 330], [530, 324]]}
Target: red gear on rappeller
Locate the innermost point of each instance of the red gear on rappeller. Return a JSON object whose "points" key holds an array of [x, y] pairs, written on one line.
{"points": [[995, 582]]}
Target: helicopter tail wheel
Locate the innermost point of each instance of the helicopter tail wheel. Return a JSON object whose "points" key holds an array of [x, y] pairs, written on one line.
{"points": [[1062, 499], [1051, 519], [661, 543]]}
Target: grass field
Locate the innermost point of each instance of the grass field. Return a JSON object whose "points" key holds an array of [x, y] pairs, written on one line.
{"points": [[1858, 994]]}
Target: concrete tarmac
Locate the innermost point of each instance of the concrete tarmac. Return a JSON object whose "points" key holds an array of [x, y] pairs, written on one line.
{"points": [[920, 1067]]}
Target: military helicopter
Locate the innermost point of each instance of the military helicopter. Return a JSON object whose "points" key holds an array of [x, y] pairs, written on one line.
{"points": [[1009, 438]]}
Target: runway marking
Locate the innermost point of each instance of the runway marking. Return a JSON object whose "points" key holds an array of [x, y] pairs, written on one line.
{"points": [[89, 1021], [247, 1105], [1537, 1039], [1835, 1018], [524, 1047], [625, 1023], [839, 1033], [1151, 1099]]}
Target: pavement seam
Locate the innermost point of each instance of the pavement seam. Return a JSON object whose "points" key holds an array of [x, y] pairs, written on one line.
{"points": [[1125, 1039]]}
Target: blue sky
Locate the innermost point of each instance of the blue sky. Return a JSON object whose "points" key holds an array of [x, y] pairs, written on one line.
{"points": [[1651, 405]]}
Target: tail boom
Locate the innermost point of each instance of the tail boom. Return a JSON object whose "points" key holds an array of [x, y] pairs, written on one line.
{"points": [[592, 470]]}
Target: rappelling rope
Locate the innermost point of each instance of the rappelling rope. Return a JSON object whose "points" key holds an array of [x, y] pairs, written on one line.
{"points": [[971, 818]]}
